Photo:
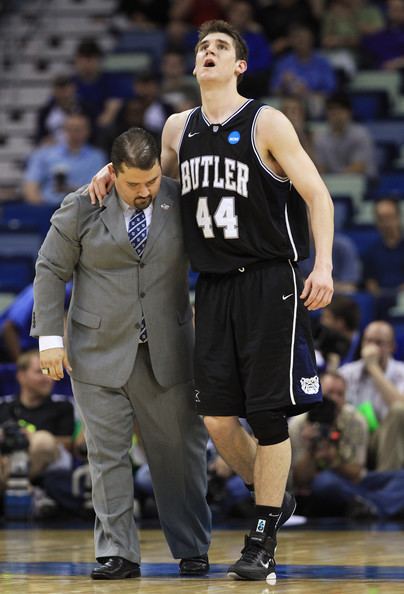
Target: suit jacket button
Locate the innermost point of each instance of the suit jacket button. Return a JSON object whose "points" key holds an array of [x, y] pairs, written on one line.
{"points": [[137, 326], [142, 264], [142, 295]]}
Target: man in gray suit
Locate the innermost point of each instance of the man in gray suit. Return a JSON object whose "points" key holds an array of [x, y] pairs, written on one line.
{"points": [[129, 353]]}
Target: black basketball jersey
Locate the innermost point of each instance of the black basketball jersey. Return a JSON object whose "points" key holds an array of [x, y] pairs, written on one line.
{"points": [[235, 210]]}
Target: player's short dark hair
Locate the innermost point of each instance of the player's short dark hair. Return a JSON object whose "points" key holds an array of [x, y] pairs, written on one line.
{"points": [[135, 148], [347, 309], [219, 26]]}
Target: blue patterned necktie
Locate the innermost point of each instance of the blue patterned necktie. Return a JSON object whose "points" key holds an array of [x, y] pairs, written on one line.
{"points": [[137, 232]]}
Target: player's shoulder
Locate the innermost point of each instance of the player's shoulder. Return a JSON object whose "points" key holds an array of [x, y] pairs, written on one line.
{"points": [[176, 121]]}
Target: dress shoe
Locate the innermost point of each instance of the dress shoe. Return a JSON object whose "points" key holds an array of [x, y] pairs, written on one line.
{"points": [[116, 568], [194, 565]]}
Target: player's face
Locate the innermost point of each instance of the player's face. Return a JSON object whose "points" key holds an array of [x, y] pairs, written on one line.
{"points": [[215, 59], [137, 187]]}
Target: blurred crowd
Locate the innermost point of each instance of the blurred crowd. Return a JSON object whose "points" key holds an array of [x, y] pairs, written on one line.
{"points": [[348, 452]]}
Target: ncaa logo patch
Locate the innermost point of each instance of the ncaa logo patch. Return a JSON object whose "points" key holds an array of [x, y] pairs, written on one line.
{"points": [[233, 137], [260, 526]]}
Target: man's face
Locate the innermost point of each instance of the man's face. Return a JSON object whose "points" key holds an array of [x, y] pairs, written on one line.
{"points": [[387, 218], [215, 59], [137, 187], [338, 116], [334, 388], [33, 381], [77, 130], [381, 335]]}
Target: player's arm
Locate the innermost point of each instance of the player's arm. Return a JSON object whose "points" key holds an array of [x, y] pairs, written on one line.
{"points": [[170, 141], [276, 136]]}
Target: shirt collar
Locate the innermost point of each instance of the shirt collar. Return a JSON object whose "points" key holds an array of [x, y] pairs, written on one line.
{"points": [[131, 209]]}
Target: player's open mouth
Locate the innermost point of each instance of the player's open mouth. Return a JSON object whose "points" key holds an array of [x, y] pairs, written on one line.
{"points": [[209, 63]]}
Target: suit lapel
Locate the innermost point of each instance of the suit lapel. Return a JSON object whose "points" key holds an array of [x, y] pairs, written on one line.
{"points": [[113, 219], [162, 208]]}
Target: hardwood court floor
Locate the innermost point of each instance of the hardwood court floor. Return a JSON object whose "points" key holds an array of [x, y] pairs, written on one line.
{"points": [[360, 561]]}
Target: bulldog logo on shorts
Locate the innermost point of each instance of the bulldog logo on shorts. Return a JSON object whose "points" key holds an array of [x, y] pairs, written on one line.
{"points": [[310, 385]]}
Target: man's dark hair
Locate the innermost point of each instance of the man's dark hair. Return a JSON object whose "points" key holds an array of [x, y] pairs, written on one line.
{"points": [[347, 309], [218, 26], [339, 100], [88, 48], [134, 148]]}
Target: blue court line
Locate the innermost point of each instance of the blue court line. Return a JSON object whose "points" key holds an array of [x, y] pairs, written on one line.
{"points": [[165, 570]]}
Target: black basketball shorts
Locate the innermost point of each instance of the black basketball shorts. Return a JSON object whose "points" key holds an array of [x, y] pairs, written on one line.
{"points": [[254, 349]]}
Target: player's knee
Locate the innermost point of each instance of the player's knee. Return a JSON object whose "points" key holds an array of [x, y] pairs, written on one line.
{"points": [[220, 426], [269, 426]]}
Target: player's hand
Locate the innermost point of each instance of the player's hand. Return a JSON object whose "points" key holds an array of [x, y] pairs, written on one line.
{"points": [[100, 185], [53, 361], [318, 289]]}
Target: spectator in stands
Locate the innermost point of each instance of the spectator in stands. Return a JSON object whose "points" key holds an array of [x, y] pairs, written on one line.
{"points": [[240, 14], [295, 110], [55, 170], [52, 116], [329, 463], [304, 72], [344, 146], [146, 87], [375, 384], [176, 84], [196, 12], [46, 419], [95, 89], [15, 325], [337, 336], [385, 49], [384, 259], [346, 21], [277, 17]]}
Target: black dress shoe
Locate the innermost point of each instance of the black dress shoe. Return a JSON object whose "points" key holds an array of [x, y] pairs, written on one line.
{"points": [[194, 565], [116, 568]]}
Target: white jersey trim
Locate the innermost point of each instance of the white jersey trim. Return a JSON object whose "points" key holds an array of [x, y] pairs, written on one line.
{"points": [[263, 165], [290, 233], [229, 118], [183, 132], [292, 346]]}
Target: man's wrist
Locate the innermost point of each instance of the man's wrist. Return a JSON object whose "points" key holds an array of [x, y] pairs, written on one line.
{"points": [[50, 342]]}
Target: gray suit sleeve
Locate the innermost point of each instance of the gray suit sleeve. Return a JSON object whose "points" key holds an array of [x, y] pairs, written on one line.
{"points": [[56, 261]]}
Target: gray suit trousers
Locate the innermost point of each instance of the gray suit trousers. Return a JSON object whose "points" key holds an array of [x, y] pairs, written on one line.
{"points": [[175, 443]]}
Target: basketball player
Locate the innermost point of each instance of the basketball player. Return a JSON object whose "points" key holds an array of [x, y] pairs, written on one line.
{"points": [[246, 182]]}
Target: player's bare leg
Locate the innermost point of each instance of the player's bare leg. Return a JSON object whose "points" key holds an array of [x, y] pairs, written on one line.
{"points": [[237, 448]]}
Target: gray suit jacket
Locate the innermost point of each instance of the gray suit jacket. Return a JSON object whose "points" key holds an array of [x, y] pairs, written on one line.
{"points": [[111, 285]]}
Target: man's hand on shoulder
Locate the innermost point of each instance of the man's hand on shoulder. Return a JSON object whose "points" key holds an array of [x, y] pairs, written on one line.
{"points": [[53, 361], [100, 185]]}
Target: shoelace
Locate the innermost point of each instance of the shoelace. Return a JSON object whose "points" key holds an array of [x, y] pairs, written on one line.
{"points": [[251, 551]]}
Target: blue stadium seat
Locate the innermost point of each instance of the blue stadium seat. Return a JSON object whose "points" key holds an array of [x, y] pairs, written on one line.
{"points": [[8, 383], [369, 105], [390, 183], [367, 307], [362, 236], [19, 242], [16, 272], [21, 215]]}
